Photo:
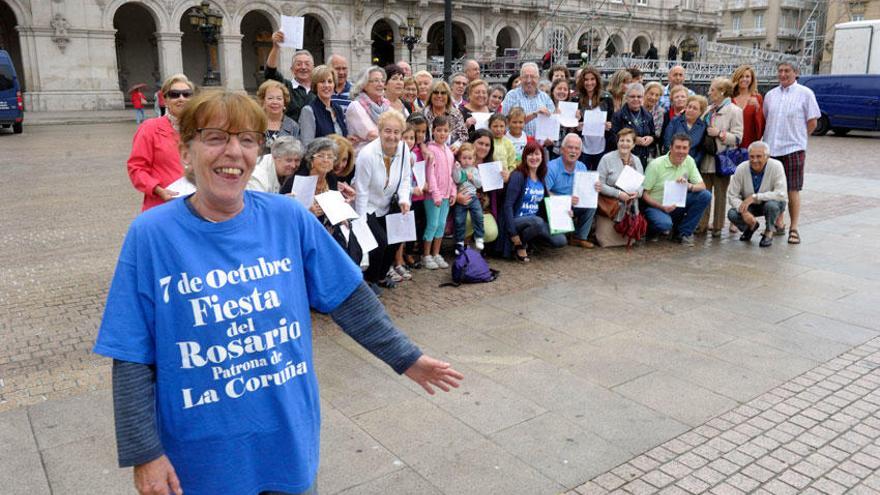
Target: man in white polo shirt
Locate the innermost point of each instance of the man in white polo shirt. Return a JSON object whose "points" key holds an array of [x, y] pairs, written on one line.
{"points": [[791, 113]]}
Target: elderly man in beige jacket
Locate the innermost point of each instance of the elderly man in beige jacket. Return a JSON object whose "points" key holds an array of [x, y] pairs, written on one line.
{"points": [[757, 188]]}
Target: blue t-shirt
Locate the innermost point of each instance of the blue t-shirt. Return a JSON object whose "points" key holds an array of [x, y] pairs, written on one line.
{"points": [[558, 180], [222, 311], [532, 196]]}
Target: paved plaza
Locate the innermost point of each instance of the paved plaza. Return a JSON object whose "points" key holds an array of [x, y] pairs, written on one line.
{"points": [[722, 368]]}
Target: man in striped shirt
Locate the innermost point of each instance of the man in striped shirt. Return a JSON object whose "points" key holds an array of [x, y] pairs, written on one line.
{"points": [[527, 97], [791, 113]]}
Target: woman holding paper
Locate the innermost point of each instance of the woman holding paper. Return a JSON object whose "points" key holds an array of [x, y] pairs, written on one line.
{"points": [[321, 116], [477, 102], [612, 166], [560, 95], [319, 160], [368, 102], [591, 98], [522, 222], [382, 174], [440, 103], [154, 162]]}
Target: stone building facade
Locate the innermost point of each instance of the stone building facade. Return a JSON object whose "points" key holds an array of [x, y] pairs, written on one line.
{"points": [[84, 54], [766, 24]]}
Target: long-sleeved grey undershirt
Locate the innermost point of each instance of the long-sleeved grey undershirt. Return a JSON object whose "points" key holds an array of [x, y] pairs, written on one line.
{"points": [[361, 316]]}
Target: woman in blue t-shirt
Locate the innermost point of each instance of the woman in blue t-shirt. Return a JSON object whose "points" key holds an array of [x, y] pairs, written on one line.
{"points": [[522, 216], [207, 321]]}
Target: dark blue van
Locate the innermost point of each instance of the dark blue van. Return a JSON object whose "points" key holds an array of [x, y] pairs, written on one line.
{"points": [[847, 101], [11, 104]]}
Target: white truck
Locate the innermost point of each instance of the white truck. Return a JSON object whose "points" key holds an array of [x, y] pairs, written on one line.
{"points": [[856, 48]]}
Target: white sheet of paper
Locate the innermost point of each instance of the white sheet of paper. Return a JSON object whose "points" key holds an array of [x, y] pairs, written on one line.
{"points": [[482, 120], [675, 193], [594, 123], [585, 189], [419, 171], [568, 113], [293, 28], [182, 187], [364, 235], [559, 217], [546, 128], [335, 207], [304, 189], [400, 227], [630, 180], [490, 175]]}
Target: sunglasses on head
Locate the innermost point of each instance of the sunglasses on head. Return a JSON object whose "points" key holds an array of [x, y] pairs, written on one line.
{"points": [[174, 94]]}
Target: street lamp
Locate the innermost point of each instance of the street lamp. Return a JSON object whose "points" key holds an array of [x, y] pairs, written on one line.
{"points": [[208, 22], [410, 34]]}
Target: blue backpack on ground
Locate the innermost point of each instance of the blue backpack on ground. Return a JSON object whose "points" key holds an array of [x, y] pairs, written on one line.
{"points": [[470, 267]]}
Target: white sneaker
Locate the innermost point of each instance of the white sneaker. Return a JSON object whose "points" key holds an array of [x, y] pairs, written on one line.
{"points": [[478, 243], [441, 262], [403, 272], [429, 263], [393, 276]]}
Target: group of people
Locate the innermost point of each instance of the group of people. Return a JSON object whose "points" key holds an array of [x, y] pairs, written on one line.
{"points": [[207, 317]]}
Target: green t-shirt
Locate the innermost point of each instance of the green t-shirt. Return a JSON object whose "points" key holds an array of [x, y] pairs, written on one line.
{"points": [[661, 170]]}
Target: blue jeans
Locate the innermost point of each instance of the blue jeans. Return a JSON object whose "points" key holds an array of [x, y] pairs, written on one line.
{"points": [[683, 220], [583, 222], [461, 211], [139, 115], [533, 227], [768, 209]]}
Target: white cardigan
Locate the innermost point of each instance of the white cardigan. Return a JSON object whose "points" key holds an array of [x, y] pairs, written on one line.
{"points": [[264, 178], [773, 186], [374, 188]]}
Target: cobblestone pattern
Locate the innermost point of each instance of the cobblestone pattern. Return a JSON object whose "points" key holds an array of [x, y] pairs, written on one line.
{"points": [[816, 434], [67, 202]]}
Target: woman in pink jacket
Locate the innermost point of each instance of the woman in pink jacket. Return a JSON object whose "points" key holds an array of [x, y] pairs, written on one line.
{"points": [[154, 162], [439, 177]]}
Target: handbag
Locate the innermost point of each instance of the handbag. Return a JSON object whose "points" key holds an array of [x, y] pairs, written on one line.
{"points": [[394, 206], [708, 145], [608, 206], [633, 226], [727, 161]]}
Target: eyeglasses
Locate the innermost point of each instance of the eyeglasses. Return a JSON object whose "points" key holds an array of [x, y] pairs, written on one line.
{"points": [[173, 94], [376, 81], [439, 92], [325, 156], [216, 138]]}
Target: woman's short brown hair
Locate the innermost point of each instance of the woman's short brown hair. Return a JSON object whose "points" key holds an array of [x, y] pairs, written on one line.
{"points": [[473, 84], [240, 111], [321, 73], [626, 131], [724, 85], [272, 84], [345, 151]]}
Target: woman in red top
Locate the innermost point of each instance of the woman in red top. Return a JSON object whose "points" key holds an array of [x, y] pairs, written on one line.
{"points": [[154, 162], [747, 97]]}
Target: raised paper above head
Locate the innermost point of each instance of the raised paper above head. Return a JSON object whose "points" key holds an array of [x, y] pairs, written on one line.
{"points": [[585, 189], [293, 28], [490, 176], [335, 208]]}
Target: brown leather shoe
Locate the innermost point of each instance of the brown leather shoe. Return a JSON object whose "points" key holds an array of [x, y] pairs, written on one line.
{"points": [[574, 241]]}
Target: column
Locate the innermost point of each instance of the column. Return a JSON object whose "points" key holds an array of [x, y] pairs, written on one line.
{"points": [[170, 54], [229, 46]]}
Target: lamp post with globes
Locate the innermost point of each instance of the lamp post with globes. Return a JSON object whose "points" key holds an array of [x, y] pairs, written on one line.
{"points": [[410, 34], [208, 22]]}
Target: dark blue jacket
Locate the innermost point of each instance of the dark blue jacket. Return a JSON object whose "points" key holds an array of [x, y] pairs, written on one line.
{"points": [[641, 121], [323, 119], [516, 187], [696, 132]]}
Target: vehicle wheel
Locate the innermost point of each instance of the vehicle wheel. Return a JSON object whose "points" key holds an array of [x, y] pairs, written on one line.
{"points": [[840, 131], [17, 128], [822, 126]]}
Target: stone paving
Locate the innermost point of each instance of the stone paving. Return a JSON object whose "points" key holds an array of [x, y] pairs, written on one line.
{"points": [[599, 357]]}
